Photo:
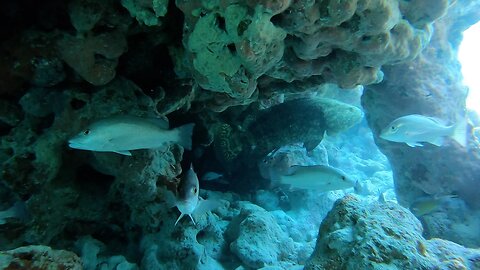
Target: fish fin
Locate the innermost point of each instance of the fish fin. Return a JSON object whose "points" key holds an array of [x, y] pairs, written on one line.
{"points": [[192, 220], [160, 122], [170, 198], [123, 152], [185, 135], [275, 179], [460, 132], [178, 219], [437, 120], [310, 145], [205, 206], [448, 196], [414, 144], [438, 141], [292, 169]]}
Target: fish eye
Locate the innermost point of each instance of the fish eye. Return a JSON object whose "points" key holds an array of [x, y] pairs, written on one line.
{"points": [[86, 132], [195, 190], [393, 128], [343, 177]]}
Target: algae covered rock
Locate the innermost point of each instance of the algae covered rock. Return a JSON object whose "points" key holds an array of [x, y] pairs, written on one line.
{"points": [[357, 234], [432, 85], [146, 12], [39, 257], [239, 49], [258, 239]]}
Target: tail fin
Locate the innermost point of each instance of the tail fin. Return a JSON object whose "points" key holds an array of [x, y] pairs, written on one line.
{"points": [[185, 135], [460, 132], [205, 206]]}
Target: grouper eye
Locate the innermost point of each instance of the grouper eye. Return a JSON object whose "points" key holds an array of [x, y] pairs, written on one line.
{"points": [[194, 190], [86, 132]]}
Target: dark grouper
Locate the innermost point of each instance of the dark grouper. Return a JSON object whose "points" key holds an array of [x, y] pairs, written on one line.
{"points": [[301, 120]]}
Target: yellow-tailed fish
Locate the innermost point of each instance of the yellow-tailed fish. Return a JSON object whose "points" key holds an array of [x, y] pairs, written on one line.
{"points": [[426, 205]]}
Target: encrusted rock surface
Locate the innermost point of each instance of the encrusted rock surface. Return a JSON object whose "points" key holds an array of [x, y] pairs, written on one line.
{"points": [[233, 47], [432, 85], [357, 234], [67, 63], [39, 257]]}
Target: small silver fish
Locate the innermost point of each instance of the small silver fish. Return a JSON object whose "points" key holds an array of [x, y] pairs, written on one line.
{"points": [[414, 129], [188, 202], [318, 177], [211, 176], [120, 134]]}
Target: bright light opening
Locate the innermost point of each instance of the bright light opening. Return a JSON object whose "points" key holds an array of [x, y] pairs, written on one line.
{"points": [[469, 56]]}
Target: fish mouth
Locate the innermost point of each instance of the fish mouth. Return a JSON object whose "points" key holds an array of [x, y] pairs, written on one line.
{"points": [[76, 145]]}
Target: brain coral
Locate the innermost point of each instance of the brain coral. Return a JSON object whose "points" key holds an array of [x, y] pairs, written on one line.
{"points": [[236, 48]]}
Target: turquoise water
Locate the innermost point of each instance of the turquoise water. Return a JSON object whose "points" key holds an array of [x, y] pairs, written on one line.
{"points": [[237, 135]]}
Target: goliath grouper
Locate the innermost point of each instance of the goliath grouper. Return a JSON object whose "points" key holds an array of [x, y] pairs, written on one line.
{"points": [[301, 120], [304, 120]]}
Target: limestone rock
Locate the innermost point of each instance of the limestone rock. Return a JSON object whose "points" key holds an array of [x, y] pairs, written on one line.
{"points": [[431, 85], [39, 257], [360, 235]]}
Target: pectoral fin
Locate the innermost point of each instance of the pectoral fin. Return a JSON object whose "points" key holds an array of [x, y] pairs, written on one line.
{"points": [[437, 141], [310, 145], [204, 206], [413, 144], [178, 219], [123, 152]]}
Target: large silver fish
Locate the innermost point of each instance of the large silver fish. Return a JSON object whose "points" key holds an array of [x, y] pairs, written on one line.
{"points": [[322, 178], [414, 129], [188, 201], [120, 134]]}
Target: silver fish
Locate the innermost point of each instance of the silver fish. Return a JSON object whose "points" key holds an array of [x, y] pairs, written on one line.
{"points": [[188, 202], [414, 129], [318, 177], [121, 134], [211, 176]]}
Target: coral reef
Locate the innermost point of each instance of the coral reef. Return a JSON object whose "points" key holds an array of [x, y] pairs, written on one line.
{"points": [[236, 46], [360, 235], [39, 168], [431, 85], [254, 76], [39, 257], [147, 12]]}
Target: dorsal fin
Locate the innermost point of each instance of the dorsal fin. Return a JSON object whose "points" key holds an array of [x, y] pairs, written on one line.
{"points": [[437, 120], [161, 122]]}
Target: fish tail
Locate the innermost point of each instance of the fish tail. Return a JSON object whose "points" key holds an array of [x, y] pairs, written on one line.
{"points": [[460, 132], [275, 179], [185, 135]]}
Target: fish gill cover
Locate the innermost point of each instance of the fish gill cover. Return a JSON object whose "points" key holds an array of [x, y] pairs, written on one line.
{"points": [[260, 80]]}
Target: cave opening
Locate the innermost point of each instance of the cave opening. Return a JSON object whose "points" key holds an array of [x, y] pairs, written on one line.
{"points": [[469, 58]]}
